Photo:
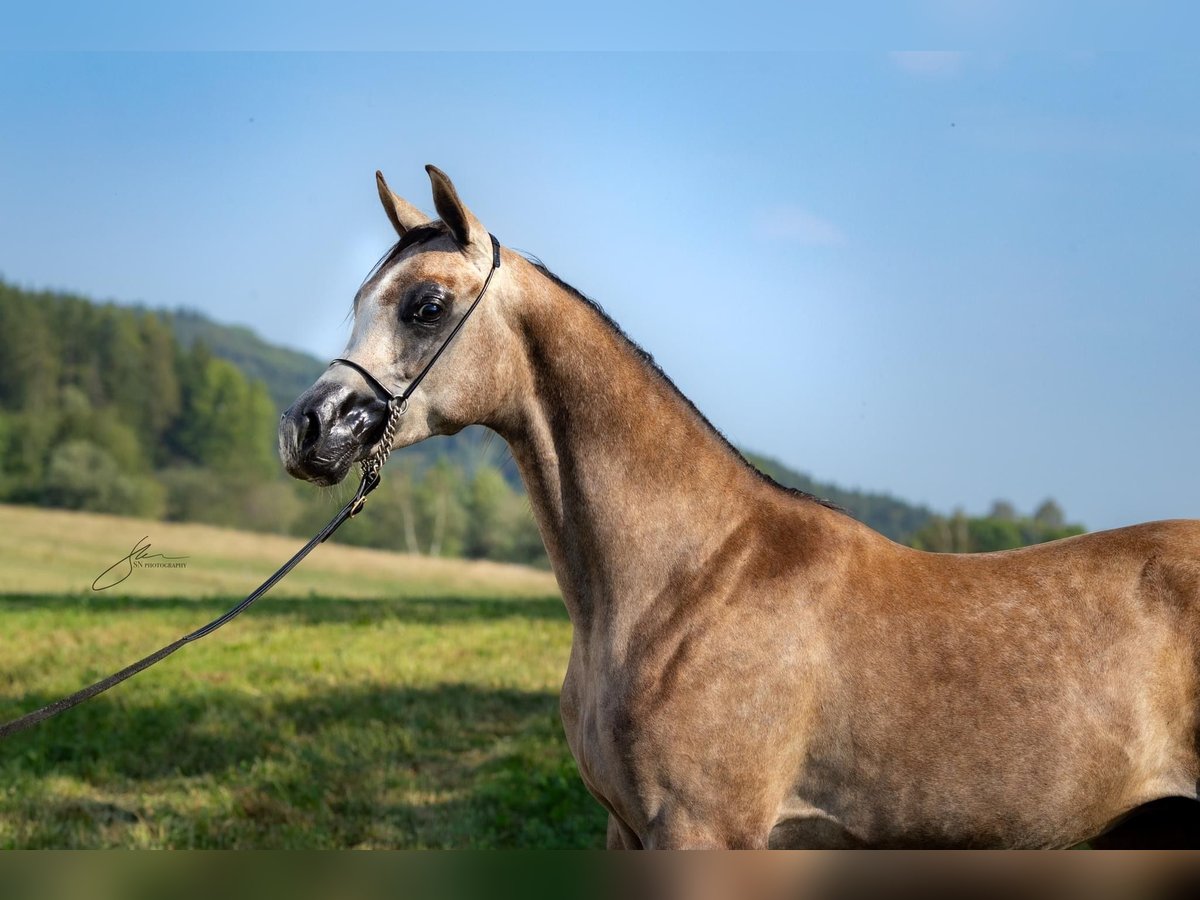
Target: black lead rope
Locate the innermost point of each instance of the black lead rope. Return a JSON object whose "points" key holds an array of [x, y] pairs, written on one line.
{"points": [[53, 709], [397, 404]]}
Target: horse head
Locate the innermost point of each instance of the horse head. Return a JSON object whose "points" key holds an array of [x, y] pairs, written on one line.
{"points": [[406, 312]]}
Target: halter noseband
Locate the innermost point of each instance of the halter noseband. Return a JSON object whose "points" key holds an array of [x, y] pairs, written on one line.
{"points": [[398, 403]]}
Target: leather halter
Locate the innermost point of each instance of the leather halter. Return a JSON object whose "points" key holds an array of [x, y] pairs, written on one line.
{"points": [[398, 403], [403, 396], [371, 466]]}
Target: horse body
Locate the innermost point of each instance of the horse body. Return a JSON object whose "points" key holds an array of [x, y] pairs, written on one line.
{"points": [[750, 667], [749, 662], [890, 699]]}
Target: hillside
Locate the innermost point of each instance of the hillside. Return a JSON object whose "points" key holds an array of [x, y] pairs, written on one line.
{"points": [[224, 562], [168, 414], [883, 512], [287, 373]]}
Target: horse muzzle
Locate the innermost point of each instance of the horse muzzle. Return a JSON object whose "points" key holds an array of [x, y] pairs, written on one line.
{"points": [[327, 430]]}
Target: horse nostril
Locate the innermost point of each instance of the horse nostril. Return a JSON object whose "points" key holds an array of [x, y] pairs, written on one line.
{"points": [[310, 431], [366, 421]]}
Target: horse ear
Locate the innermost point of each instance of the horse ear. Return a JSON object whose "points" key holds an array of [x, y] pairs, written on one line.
{"points": [[461, 221], [403, 215]]}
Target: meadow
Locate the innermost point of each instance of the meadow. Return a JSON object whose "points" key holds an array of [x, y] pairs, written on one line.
{"points": [[371, 700]]}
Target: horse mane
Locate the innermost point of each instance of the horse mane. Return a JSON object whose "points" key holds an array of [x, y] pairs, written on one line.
{"points": [[430, 230], [657, 372]]}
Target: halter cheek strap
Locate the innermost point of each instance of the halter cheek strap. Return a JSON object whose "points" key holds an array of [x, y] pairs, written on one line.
{"points": [[398, 403], [403, 396]]}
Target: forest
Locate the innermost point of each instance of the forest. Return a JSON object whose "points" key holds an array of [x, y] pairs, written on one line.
{"points": [[166, 414]]}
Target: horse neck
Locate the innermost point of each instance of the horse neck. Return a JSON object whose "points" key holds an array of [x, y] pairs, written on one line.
{"points": [[630, 486]]}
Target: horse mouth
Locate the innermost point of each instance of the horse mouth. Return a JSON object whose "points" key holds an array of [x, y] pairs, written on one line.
{"points": [[327, 472], [325, 467]]}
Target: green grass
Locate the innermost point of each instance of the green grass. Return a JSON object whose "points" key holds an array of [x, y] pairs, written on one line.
{"points": [[425, 716]]}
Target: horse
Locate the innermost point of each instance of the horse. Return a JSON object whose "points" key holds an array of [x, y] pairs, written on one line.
{"points": [[750, 666]]}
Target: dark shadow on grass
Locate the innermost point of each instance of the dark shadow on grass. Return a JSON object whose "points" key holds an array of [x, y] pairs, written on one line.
{"points": [[212, 730], [519, 801], [316, 610], [318, 771]]}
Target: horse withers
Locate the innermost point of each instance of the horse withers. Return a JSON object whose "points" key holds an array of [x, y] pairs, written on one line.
{"points": [[751, 667]]}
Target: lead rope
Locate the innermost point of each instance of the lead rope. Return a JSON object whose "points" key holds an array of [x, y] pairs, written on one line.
{"points": [[370, 481], [371, 467]]}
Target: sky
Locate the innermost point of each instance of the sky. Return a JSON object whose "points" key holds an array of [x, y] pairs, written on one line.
{"points": [[954, 276]]}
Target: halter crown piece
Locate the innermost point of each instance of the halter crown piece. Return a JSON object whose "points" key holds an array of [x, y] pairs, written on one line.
{"points": [[371, 468]]}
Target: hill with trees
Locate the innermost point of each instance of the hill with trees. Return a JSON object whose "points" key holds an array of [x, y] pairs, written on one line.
{"points": [[287, 373], [170, 415], [284, 372], [886, 514], [106, 408]]}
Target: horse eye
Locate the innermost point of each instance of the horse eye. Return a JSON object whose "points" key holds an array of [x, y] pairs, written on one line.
{"points": [[430, 311]]}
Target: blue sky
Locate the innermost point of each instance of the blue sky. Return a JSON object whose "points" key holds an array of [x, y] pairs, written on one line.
{"points": [[954, 276]]}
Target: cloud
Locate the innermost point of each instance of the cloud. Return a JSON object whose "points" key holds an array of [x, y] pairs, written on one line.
{"points": [[790, 223], [936, 63]]}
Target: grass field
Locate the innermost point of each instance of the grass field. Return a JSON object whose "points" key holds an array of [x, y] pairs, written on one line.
{"points": [[372, 700]]}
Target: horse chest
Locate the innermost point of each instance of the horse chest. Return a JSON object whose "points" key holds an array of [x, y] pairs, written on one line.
{"points": [[598, 746]]}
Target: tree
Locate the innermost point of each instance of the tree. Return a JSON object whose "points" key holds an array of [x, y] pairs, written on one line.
{"points": [[1050, 514], [1003, 510], [83, 476], [489, 504], [961, 534], [104, 427], [402, 491], [225, 420], [122, 367], [29, 360], [990, 534], [440, 509], [526, 542], [945, 535], [162, 404], [391, 522], [27, 439]]}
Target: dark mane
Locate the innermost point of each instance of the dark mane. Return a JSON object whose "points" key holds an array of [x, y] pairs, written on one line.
{"points": [[657, 371], [431, 230]]}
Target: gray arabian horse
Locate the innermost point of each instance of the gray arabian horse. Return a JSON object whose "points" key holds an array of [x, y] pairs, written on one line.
{"points": [[749, 666]]}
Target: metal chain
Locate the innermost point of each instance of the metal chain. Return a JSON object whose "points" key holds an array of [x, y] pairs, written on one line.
{"points": [[372, 466]]}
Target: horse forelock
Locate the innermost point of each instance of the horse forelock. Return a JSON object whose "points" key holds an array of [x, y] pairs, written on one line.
{"points": [[421, 234]]}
